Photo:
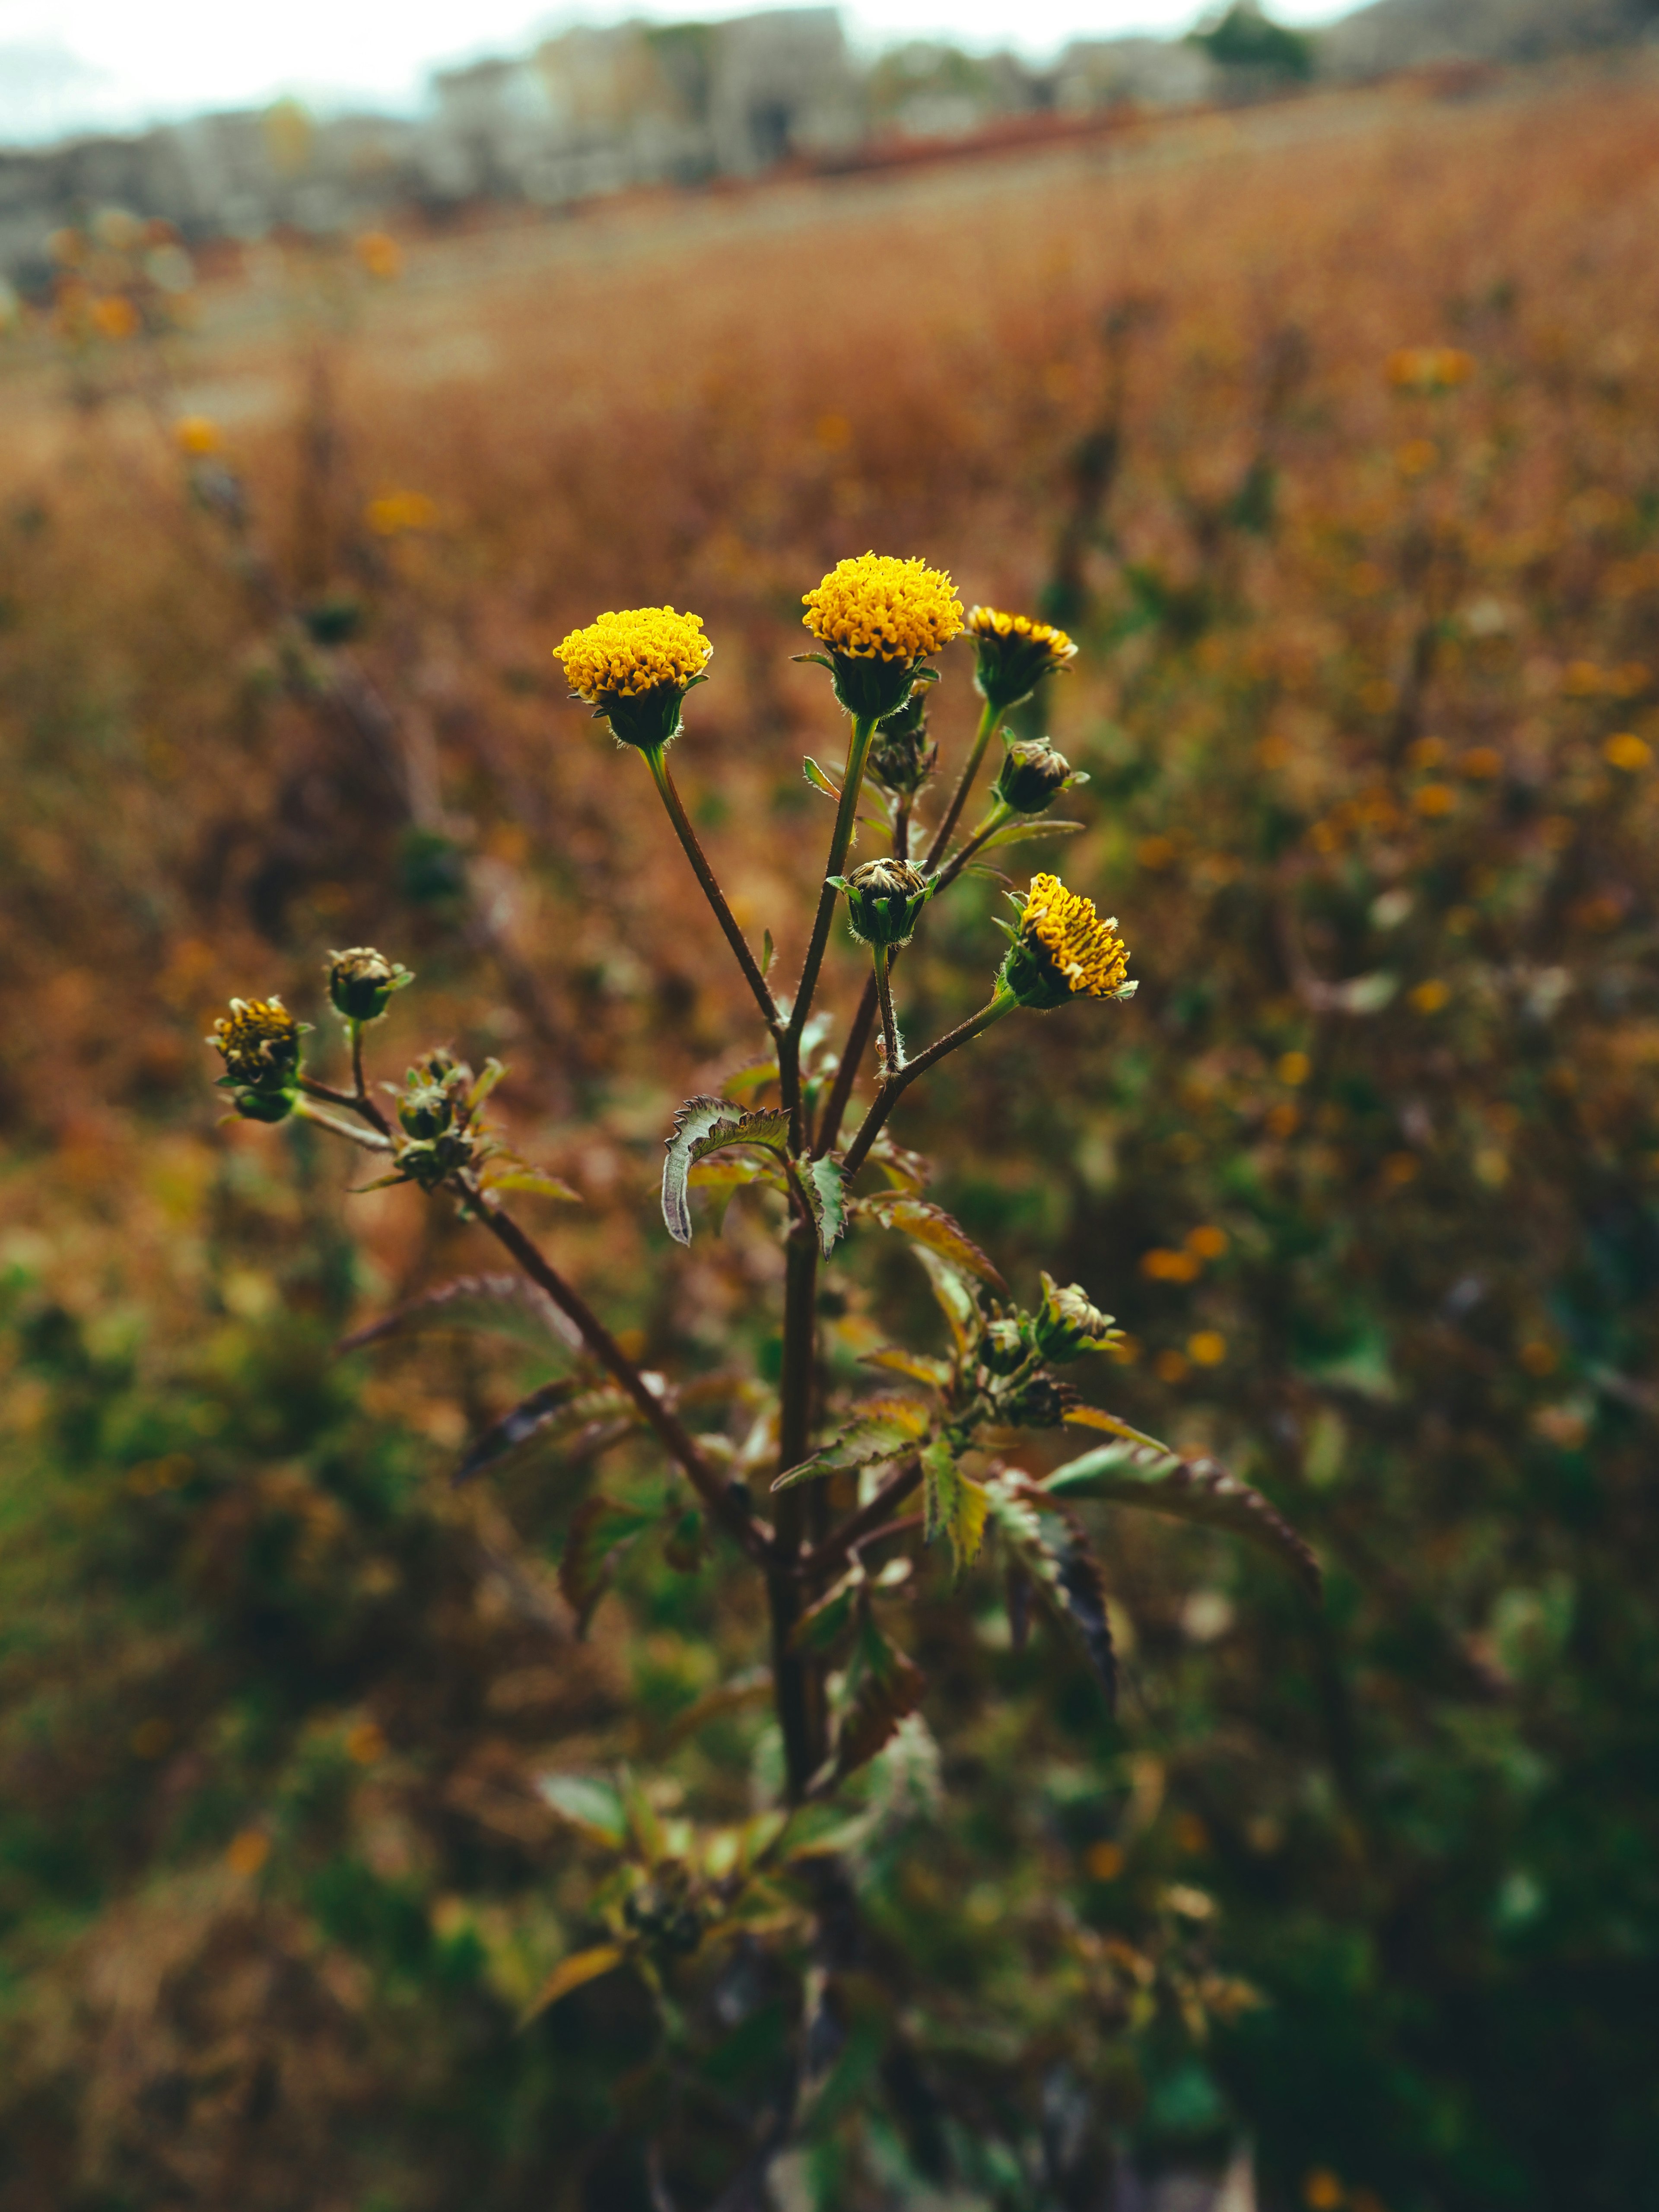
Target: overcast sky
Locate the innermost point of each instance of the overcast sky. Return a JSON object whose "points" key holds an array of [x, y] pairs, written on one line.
{"points": [[73, 64]]}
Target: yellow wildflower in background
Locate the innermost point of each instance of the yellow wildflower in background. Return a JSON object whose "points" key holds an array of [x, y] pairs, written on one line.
{"points": [[379, 254], [634, 669], [1064, 950], [395, 512], [198, 435], [1430, 369]]}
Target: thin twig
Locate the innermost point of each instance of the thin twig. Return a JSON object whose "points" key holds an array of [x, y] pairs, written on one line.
{"points": [[989, 722], [657, 762], [888, 1095], [890, 1035], [859, 1526], [368, 1139]]}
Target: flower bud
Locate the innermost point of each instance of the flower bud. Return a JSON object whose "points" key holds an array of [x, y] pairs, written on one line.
{"points": [[259, 1043], [425, 1111], [1063, 950], [1033, 775], [361, 982], [1039, 1402], [901, 756], [884, 899], [1066, 1323], [1015, 653], [263, 1105], [1003, 1347]]}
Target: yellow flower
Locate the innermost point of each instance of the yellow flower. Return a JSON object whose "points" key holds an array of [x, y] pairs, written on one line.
{"points": [[378, 254], [395, 512], [876, 607], [636, 668], [196, 435], [1015, 653], [1064, 950], [258, 1043]]}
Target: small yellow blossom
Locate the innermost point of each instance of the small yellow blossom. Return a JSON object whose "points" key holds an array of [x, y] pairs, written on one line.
{"points": [[1015, 653], [1429, 997], [876, 607], [1206, 1347], [115, 316], [1628, 751], [396, 511], [1430, 369], [198, 435], [259, 1043], [1063, 949], [623, 656], [379, 254]]}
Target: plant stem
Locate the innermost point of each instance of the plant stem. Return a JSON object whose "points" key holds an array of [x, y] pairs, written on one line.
{"points": [[859, 1527], [657, 761], [864, 726], [366, 1137], [363, 1103], [959, 861], [796, 1690], [890, 1035], [887, 1096], [723, 1507], [858, 1036], [989, 722]]}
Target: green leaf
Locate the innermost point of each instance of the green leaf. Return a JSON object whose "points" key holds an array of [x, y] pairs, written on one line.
{"points": [[826, 1194], [953, 1501], [905, 1170], [931, 1227], [1040, 825], [957, 1301], [504, 1305], [534, 1179], [819, 781], [570, 1973], [882, 1687], [919, 1366], [583, 1420], [1137, 1470], [730, 1173], [484, 1084], [822, 1627], [882, 1429], [707, 1125], [1051, 1550], [589, 1803], [768, 948], [601, 1526]]}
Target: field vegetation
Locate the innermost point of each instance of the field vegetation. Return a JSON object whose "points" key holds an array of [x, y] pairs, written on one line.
{"points": [[1338, 458]]}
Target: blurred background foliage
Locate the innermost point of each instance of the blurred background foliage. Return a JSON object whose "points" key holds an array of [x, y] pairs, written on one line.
{"points": [[1340, 459]]}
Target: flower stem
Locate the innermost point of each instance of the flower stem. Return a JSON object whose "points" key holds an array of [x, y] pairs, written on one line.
{"points": [[864, 726], [657, 762], [890, 1035], [1000, 813], [989, 722], [723, 1505], [370, 1141], [796, 1693], [887, 1096]]}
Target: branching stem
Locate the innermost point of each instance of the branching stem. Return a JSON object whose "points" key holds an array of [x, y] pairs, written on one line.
{"points": [[369, 1139], [887, 1095], [656, 760]]}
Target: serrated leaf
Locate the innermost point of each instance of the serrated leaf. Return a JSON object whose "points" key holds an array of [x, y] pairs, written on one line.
{"points": [[931, 1227], [1140, 1471], [488, 1077], [533, 1179], [882, 1688], [600, 1527], [573, 1419], [906, 1170], [505, 1305], [1051, 1553], [919, 1366], [570, 1973], [704, 1126], [957, 1301], [1036, 826], [589, 1803], [819, 781], [745, 1082], [953, 1502], [882, 1429], [822, 1627], [826, 1194], [731, 1172]]}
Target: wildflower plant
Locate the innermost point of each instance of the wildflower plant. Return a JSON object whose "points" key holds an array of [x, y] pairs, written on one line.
{"points": [[834, 1505]]}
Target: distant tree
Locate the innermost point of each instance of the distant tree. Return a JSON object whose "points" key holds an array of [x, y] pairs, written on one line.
{"points": [[1246, 39]]}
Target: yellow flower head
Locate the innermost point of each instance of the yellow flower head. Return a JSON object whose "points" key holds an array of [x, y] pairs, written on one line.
{"points": [[875, 607], [197, 435], [634, 669], [395, 512], [1015, 653], [1063, 950], [258, 1041]]}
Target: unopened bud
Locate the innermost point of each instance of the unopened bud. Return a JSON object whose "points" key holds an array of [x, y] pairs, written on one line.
{"points": [[361, 982], [1033, 775], [1067, 1323], [1003, 1347], [1040, 1401], [425, 1111], [884, 899], [902, 757]]}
